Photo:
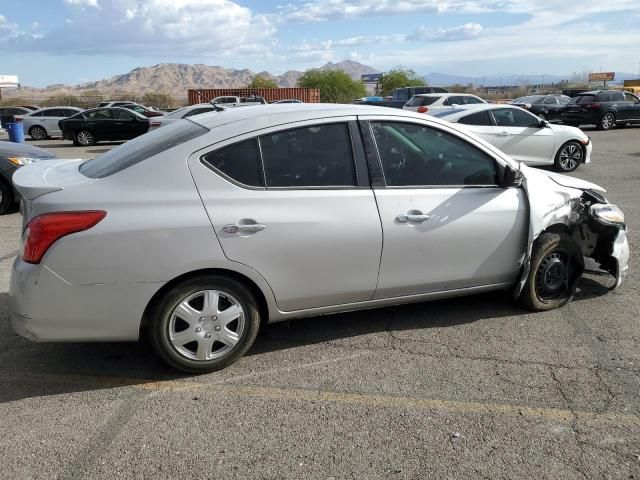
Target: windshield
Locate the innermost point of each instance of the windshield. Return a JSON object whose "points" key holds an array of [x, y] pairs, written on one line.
{"points": [[141, 148]]}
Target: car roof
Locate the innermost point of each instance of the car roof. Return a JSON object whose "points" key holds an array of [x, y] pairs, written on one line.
{"points": [[443, 94], [58, 106], [262, 116], [464, 110]]}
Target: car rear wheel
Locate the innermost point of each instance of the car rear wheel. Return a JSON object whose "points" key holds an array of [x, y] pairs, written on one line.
{"points": [[85, 138], [569, 157], [556, 266], [204, 324], [6, 196], [38, 133], [607, 121]]}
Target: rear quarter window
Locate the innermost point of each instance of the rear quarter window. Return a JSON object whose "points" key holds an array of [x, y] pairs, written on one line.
{"points": [[141, 148]]}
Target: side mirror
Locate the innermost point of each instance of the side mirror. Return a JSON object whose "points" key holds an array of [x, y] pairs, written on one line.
{"points": [[543, 124], [512, 177]]}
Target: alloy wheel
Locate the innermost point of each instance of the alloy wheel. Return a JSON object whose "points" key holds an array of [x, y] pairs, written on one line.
{"points": [[206, 325], [570, 157], [607, 121], [38, 133], [85, 138]]}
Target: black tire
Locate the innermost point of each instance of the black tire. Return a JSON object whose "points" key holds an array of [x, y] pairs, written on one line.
{"points": [[6, 196], [607, 121], [548, 285], [85, 138], [162, 316], [38, 133], [569, 157]]}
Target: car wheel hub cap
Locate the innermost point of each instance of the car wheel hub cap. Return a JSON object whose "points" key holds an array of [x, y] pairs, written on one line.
{"points": [[84, 138], [206, 325], [570, 157], [607, 121]]}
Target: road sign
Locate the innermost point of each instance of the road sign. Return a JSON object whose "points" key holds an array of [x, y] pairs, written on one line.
{"points": [[371, 77], [601, 76], [9, 81]]}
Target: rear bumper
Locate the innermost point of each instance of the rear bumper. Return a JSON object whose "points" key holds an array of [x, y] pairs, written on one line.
{"points": [[44, 307]]}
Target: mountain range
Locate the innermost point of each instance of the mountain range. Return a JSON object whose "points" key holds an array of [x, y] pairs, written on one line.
{"points": [[177, 78]]}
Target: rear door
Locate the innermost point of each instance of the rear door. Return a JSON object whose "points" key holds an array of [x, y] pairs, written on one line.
{"points": [[50, 120], [128, 124], [447, 223], [294, 204], [101, 123], [519, 134]]}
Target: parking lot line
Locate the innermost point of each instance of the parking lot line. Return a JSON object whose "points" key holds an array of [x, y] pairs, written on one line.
{"points": [[344, 398]]}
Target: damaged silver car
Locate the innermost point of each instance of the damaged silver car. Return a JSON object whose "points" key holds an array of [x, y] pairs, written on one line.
{"points": [[198, 233]]}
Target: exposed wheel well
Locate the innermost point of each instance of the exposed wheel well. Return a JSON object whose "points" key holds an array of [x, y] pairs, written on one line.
{"points": [[247, 282], [556, 228]]}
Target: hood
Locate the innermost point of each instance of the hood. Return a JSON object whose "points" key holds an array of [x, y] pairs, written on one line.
{"points": [[560, 179], [10, 149]]}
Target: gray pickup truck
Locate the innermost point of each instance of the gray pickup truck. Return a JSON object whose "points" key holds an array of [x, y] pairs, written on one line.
{"points": [[400, 96]]}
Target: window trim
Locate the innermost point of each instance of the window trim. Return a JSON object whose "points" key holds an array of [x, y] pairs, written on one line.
{"points": [[357, 149], [498, 165]]}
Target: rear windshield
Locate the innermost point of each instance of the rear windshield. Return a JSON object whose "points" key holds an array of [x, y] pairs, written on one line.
{"points": [[421, 101], [141, 148], [531, 99]]}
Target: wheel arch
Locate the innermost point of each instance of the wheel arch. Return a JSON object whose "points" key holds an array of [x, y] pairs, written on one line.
{"points": [[574, 140], [245, 280]]}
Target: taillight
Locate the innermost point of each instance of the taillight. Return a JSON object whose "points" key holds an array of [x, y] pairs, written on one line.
{"points": [[154, 124], [423, 109], [593, 105], [17, 118], [43, 230]]}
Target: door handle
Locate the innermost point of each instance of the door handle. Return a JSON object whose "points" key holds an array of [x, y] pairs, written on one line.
{"points": [[503, 134], [414, 216], [243, 227]]}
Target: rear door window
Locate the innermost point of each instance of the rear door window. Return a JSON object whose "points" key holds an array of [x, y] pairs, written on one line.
{"points": [[197, 111], [239, 162], [478, 118], [120, 114], [617, 97], [101, 114], [141, 148], [455, 100], [315, 156], [472, 100]]}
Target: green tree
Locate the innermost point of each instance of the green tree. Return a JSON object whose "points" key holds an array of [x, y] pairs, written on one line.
{"points": [[399, 77], [260, 81], [158, 100], [335, 85]]}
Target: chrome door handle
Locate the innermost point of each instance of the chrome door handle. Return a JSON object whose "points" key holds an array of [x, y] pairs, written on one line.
{"points": [[412, 217], [243, 227], [503, 134]]}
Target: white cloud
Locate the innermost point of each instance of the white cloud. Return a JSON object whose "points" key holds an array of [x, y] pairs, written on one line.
{"points": [[156, 27], [323, 10], [83, 3], [453, 34]]}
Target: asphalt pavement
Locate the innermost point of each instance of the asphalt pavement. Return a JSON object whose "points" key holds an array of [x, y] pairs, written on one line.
{"points": [[465, 388]]}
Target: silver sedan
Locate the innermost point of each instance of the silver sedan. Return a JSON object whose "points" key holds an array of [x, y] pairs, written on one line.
{"points": [[198, 233]]}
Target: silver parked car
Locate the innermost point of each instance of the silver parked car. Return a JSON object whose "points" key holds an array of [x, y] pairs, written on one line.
{"points": [[197, 233], [43, 123]]}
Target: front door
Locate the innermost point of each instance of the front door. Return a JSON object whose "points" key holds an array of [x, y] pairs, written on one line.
{"points": [[520, 135], [289, 204], [447, 224]]}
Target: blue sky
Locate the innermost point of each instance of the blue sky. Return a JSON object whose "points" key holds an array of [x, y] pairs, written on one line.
{"points": [[72, 41]]}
